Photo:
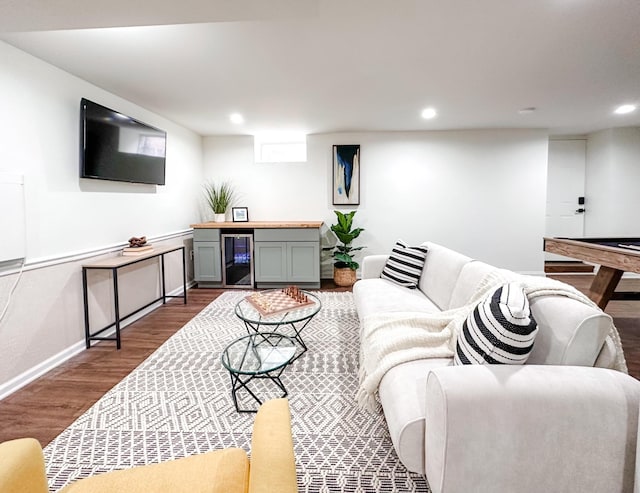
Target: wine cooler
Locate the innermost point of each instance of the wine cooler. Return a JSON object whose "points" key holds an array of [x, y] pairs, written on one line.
{"points": [[237, 260]]}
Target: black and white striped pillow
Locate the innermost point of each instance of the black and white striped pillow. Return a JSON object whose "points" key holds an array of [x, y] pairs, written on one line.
{"points": [[405, 264], [499, 330]]}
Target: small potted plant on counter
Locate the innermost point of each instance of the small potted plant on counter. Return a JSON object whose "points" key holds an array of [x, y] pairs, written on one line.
{"points": [[219, 198], [344, 267]]}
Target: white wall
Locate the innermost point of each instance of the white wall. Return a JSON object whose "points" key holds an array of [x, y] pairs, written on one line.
{"points": [[480, 192], [612, 179], [39, 137], [66, 215]]}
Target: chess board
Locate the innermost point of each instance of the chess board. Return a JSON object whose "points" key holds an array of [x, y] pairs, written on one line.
{"points": [[271, 302]]}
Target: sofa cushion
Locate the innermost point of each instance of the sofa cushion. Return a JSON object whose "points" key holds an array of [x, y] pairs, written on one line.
{"points": [[373, 296], [404, 265], [372, 265], [402, 392], [471, 275], [499, 330], [441, 270]]}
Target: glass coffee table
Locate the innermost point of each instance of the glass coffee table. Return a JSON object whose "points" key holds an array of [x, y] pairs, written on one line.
{"points": [[291, 322], [262, 355]]}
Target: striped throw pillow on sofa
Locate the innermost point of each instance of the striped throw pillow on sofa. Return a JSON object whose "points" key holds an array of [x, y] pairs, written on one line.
{"points": [[405, 264], [499, 330]]}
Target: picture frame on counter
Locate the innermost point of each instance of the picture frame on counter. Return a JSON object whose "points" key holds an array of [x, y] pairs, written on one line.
{"points": [[240, 214]]}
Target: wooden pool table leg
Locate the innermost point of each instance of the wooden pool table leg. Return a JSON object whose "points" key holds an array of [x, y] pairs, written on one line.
{"points": [[604, 284]]}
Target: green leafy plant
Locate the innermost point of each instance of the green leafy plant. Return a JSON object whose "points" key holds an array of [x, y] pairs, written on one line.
{"points": [[219, 197], [343, 252]]}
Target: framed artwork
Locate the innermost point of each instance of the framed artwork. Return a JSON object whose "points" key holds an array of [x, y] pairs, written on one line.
{"points": [[346, 174], [240, 214]]}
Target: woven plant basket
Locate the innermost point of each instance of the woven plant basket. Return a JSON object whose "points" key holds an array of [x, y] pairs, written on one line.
{"points": [[344, 276]]}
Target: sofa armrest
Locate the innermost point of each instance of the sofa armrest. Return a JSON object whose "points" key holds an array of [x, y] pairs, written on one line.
{"points": [[22, 467], [372, 266], [570, 332], [530, 428], [273, 466]]}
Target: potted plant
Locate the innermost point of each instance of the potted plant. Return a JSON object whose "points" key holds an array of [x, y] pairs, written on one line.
{"points": [[344, 267], [219, 198]]}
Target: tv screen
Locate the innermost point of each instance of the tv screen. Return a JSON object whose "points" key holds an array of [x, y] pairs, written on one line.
{"points": [[117, 147]]}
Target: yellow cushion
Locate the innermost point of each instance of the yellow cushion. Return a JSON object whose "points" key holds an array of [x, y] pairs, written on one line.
{"points": [[273, 467], [22, 467], [220, 471]]}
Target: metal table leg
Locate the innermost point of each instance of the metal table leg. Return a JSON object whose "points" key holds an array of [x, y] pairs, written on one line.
{"points": [[238, 383]]}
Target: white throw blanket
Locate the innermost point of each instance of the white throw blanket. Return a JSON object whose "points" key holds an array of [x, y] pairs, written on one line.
{"points": [[390, 339]]}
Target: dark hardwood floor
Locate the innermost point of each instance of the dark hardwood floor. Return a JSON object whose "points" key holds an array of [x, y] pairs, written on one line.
{"points": [[45, 407]]}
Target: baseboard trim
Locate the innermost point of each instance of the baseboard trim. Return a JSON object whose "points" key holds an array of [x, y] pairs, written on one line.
{"points": [[25, 378], [31, 374]]}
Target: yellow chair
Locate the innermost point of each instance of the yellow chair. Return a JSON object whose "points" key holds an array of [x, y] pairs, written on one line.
{"points": [[272, 467]]}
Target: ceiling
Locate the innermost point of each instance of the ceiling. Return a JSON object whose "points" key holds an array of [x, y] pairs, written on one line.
{"points": [[321, 66]]}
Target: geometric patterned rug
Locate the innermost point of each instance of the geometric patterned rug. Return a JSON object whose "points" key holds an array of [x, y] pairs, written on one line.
{"points": [[178, 403]]}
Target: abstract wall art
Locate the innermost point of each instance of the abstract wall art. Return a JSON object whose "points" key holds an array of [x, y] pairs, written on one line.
{"points": [[346, 174]]}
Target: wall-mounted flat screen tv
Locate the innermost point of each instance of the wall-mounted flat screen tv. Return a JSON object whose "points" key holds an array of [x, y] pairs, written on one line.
{"points": [[117, 147]]}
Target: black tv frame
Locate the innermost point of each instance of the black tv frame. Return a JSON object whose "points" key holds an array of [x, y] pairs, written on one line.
{"points": [[100, 157]]}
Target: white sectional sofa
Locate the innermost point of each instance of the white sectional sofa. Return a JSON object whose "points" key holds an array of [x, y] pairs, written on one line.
{"points": [[564, 421]]}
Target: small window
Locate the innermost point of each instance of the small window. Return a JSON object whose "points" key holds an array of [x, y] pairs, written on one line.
{"points": [[280, 148]]}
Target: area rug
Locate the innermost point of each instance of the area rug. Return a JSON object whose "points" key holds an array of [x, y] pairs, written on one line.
{"points": [[178, 403]]}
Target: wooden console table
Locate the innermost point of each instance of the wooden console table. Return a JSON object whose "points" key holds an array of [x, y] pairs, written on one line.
{"points": [[113, 264]]}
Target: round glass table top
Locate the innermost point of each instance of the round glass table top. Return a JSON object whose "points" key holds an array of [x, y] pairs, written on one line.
{"points": [[248, 312], [258, 353]]}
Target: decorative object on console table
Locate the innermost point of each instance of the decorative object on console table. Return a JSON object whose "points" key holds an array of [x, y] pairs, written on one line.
{"points": [[137, 250], [240, 214], [134, 241], [346, 174], [344, 267], [137, 246], [219, 198]]}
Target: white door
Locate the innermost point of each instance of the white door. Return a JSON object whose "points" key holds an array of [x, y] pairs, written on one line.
{"points": [[565, 184]]}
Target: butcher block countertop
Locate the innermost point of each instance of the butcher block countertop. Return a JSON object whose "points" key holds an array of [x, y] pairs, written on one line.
{"points": [[258, 224]]}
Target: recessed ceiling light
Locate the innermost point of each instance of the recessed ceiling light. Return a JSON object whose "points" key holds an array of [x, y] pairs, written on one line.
{"points": [[236, 118], [526, 111], [429, 113], [624, 109]]}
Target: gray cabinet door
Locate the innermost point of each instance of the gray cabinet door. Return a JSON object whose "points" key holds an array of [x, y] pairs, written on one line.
{"points": [[207, 261], [270, 261], [303, 261]]}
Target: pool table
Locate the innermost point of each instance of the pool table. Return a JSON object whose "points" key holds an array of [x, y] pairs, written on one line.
{"points": [[615, 256]]}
